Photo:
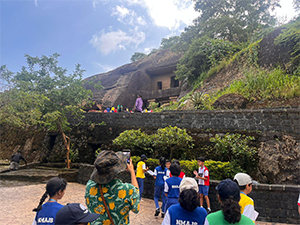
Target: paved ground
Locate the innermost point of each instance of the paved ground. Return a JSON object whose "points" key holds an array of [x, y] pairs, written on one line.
{"points": [[18, 201]]}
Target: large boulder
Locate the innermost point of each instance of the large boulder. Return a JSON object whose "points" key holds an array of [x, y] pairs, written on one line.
{"points": [[279, 161], [121, 85], [231, 101]]}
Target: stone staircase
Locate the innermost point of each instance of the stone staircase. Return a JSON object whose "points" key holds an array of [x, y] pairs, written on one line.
{"points": [[37, 172]]}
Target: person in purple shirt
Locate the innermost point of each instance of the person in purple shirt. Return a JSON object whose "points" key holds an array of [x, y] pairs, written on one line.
{"points": [[138, 104]]}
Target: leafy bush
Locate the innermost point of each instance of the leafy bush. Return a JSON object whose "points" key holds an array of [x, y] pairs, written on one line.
{"points": [[151, 163], [171, 106], [201, 101], [201, 56], [135, 160], [172, 141], [291, 35], [135, 140], [222, 170], [153, 105], [169, 141], [217, 170], [235, 149], [197, 99], [188, 166]]}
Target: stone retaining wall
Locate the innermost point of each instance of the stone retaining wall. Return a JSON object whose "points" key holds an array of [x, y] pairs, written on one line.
{"points": [[264, 120], [275, 203]]}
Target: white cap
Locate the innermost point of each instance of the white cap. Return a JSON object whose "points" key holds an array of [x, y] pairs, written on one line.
{"points": [[188, 183], [242, 179]]}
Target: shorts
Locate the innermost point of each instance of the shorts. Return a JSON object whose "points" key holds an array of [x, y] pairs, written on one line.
{"points": [[203, 189], [14, 166]]}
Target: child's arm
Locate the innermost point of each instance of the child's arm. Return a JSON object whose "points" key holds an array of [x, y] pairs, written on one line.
{"points": [[197, 176], [155, 174], [144, 168], [166, 189]]}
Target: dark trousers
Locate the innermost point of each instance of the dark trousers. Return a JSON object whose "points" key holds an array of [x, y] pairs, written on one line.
{"points": [[159, 192], [141, 185]]}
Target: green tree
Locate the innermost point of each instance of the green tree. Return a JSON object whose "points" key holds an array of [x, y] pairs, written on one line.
{"points": [[235, 149], [43, 94], [234, 20], [137, 55], [173, 141], [167, 43], [136, 140], [203, 54]]}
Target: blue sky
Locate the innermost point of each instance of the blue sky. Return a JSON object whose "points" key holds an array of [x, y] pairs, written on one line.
{"points": [[99, 34]]}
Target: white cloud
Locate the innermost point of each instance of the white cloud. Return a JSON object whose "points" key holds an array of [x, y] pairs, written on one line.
{"points": [[141, 21], [169, 13], [120, 11], [127, 16], [148, 50], [117, 40], [36, 3], [96, 2]]}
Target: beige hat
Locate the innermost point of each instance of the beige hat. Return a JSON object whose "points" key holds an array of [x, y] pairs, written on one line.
{"points": [[242, 179], [188, 183]]}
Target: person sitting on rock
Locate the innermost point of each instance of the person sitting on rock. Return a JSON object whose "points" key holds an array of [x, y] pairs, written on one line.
{"points": [[15, 161], [45, 214]]}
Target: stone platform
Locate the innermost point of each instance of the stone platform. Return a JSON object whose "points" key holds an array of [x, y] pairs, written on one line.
{"points": [[38, 173]]}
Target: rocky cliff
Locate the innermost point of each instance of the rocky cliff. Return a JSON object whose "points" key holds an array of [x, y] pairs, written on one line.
{"points": [[121, 85]]}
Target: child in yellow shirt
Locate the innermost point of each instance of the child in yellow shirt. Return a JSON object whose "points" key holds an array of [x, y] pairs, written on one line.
{"points": [[140, 173]]}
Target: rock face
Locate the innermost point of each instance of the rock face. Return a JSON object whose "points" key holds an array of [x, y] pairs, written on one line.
{"points": [[122, 85], [272, 55], [280, 161], [230, 101]]}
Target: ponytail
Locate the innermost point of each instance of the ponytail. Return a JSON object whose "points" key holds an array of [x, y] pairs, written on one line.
{"points": [[162, 162], [53, 186], [231, 210], [45, 195]]}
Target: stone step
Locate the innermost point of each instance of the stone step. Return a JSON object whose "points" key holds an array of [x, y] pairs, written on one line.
{"points": [[40, 174]]}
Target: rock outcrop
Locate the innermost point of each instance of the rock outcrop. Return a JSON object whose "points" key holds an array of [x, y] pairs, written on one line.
{"points": [[279, 161], [120, 86], [231, 101]]}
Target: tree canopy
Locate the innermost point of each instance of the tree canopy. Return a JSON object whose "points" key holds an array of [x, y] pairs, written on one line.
{"points": [[234, 20], [137, 55], [43, 94]]}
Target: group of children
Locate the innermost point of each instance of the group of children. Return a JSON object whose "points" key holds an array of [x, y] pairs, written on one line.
{"points": [[171, 186], [169, 177]]}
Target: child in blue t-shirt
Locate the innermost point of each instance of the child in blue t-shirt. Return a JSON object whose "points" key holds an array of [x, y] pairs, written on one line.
{"points": [[188, 210], [172, 185], [45, 214], [159, 174]]}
